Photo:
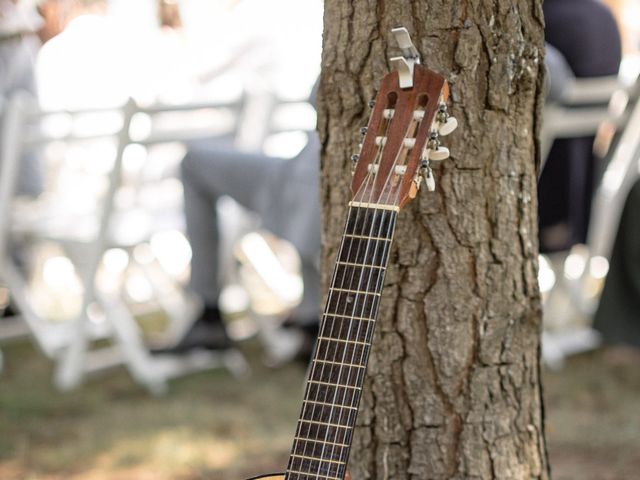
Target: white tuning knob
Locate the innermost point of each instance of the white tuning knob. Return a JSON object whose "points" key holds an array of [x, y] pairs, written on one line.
{"points": [[430, 181], [441, 153], [448, 126]]}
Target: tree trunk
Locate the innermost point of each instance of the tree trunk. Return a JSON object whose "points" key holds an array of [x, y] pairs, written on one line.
{"points": [[453, 388]]}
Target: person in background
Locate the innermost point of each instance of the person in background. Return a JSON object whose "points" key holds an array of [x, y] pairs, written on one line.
{"points": [[169, 14], [253, 53], [19, 45], [54, 14], [586, 34], [618, 315], [284, 193], [90, 63], [559, 74]]}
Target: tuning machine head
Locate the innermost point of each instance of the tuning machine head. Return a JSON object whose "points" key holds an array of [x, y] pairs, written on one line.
{"points": [[427, 174], [446, 122], [434, 149]]}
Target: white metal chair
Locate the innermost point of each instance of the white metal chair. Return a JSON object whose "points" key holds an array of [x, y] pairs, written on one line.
{"points": [[580, 111], [591, 103], [69, 344]]}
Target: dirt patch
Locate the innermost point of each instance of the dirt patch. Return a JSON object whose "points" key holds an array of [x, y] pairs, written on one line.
{"points": [[593, 417]]}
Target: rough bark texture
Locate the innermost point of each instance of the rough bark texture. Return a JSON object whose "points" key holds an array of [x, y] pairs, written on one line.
{"points": [[453, 388]]}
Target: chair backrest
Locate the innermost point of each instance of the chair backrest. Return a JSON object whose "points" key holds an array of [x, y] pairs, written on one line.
{"points": [[622, 170], [20, 130], [580, 111]]}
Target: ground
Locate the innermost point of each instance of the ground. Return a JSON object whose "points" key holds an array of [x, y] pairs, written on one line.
{"points": [[212, 426]]}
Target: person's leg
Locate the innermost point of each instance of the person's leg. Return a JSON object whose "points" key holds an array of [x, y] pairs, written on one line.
{"points": [[209, 171], [207, 174]]}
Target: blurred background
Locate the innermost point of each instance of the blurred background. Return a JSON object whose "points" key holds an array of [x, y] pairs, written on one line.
{"points": [[137, 137]]}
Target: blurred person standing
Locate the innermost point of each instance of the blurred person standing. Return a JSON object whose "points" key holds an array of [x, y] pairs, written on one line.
{"points": [[217, 51], [283, 193], [169, 66], [253, 45], [257, 47], [19, 45], [586, 34], [618, 315], [89, 64]]}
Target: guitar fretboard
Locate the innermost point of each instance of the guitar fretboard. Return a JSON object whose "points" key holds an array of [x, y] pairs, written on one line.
{"points": [[323, 435]]}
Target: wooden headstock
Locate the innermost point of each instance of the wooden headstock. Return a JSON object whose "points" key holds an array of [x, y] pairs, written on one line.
{"points": [[402, 137]]}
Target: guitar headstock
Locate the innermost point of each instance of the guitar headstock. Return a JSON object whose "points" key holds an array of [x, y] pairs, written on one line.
{"points": [[403, 135]]}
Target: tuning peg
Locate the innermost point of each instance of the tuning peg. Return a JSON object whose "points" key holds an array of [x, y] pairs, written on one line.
{"points": [[363, 131], [446, 123], [440, 153], [372, 103], [354, 161], [448, 126], [429, 181], [434, 141], [427, 174]]}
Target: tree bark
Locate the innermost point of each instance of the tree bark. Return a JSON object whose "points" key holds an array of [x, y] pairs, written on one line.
{"points": [[453, 388]]}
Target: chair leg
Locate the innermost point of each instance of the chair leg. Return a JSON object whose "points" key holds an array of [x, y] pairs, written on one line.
{"points": [[136, 355]]}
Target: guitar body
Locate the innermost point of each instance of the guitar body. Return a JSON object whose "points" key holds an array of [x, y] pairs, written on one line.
{"points": [[271, 476], [280, 476]]}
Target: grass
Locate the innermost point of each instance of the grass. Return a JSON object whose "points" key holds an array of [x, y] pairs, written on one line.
{"points": [[111, 428], [214, 426]]}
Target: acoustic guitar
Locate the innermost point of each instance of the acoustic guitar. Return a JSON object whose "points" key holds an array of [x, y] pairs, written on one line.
{"points": [[401, 140]]}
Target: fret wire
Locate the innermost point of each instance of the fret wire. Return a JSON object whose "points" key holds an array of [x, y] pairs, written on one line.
{"points": [[329, 404], [352, 387], [353, 291], [365, 237], [335, 444], [354, 342], [331, 362], [337, 462], [352, 264], [325, 424], [348, 317]]}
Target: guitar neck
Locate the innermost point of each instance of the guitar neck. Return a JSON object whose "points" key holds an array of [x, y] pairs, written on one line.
{"points": [[324, 432]]}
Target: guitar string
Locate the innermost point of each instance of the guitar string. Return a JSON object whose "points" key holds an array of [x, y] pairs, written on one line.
{"points": [[372, 219], [413, 125], [370, 179], [386, 248], [369, 329], [390, 228], [363, 186], [324, 327]]}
